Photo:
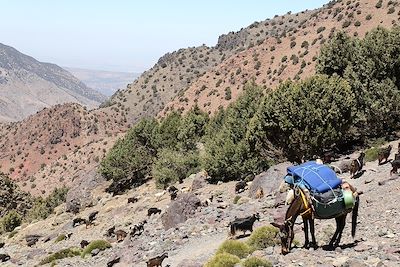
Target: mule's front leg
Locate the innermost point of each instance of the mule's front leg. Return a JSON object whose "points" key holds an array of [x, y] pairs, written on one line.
{"points": [[306, 240], [312, 230]]}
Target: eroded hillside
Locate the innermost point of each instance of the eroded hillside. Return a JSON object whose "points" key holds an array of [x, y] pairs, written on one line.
{"points": [[288, 50]]}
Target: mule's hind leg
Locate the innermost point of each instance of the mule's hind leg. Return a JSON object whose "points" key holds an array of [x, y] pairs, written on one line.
{"points": [[341, 223], [333, 239]]}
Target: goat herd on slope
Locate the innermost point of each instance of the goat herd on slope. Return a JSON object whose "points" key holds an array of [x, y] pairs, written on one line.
{"points": [[241, 224]]}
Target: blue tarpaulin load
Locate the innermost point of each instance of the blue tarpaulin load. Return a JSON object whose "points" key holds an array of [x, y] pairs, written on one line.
{"points": [[317, 178]]}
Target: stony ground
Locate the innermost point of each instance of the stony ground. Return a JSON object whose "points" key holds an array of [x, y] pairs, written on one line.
{"points": [[195, 241]]}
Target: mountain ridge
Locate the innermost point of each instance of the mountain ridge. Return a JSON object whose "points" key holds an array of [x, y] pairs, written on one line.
{"points": [[27, 86]]}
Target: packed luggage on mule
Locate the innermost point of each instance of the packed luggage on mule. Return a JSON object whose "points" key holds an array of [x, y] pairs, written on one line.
{"points": [[328, 194]]}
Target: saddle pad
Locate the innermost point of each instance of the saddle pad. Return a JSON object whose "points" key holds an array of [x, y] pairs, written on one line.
{"points": [[315, 177]]}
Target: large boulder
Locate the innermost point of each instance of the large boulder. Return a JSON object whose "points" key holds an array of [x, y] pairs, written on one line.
{"points": [[80, 195], [270, 180], [341, 166], [200, 180], [180, 209]]}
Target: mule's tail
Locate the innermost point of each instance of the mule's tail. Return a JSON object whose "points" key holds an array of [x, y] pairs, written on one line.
{"points": [[354, 216]]}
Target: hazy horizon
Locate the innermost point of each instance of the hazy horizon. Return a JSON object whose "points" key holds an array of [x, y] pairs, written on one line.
{"points": [[128, 36]]}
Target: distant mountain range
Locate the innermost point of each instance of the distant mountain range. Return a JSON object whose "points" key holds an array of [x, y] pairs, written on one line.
{"points": [[27, 86], [105, 82]]}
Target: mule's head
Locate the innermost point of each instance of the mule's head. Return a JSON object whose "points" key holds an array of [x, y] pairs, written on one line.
{"points": [[286, 234]]}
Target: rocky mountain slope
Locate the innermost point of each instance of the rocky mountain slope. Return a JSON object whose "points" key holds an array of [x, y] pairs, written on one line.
{"points": [[268, 51], [105, 82], [27, 86], [281, 48], [53, 147], [194, 241], [177, 71]]}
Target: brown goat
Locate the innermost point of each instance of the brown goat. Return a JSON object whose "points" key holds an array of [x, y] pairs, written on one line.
{"points": [[157, 261], [89, 223], [259, 193], [384, 154], [357, 164], [121, 234]]}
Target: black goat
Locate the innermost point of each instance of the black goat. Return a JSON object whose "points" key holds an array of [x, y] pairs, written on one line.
{"points": [[32, 239], [92, 216], [240, 186], [84, 243], [156, 261], [171, 189], [133, 199], [78, 221], [153, 211], [395, 166], [110, 232], [244, 224], [4, 257], [114, 261], [138, 229], [173, 192]]}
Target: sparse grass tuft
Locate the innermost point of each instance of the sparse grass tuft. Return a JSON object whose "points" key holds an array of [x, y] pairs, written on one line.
{"points": [[60, 238], [99, 244], [236, 199], [371, 154], [235, 247], [223, 260], [65, 253], [263, 237], [256, 262], [12, 234]]}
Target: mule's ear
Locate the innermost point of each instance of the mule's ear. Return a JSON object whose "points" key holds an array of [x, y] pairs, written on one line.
{"points": [[277, 225]]}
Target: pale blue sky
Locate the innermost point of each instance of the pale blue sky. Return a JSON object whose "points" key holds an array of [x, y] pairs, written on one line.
{"points": [[122, 35]]}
